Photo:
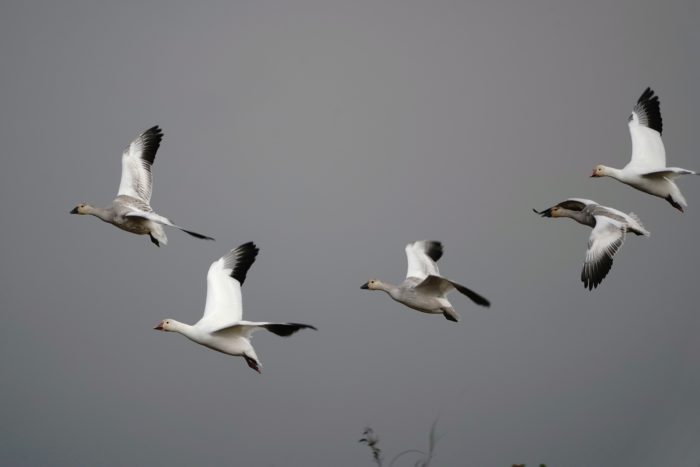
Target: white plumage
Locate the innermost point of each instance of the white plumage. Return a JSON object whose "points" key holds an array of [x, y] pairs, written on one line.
{"points": [[646, 170], [221, 327]]}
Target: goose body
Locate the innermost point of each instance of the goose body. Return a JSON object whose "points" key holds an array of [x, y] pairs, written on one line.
{"points": [[647, 169], [131, 210], [424, 289], [221, 327], [609, 227]]}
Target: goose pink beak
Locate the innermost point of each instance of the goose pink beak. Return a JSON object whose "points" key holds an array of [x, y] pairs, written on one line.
{"points": [[159, 327]]}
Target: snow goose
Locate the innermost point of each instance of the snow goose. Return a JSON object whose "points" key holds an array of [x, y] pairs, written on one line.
{"points": [[608, 234], [222, 328], [131, 209], [647, 169], [424, 289]]}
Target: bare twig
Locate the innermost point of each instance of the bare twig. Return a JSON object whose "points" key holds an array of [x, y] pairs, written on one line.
{"points": [[407, 451], [371, 440]]}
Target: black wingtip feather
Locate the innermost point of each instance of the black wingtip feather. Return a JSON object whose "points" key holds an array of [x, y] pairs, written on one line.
{"points": [[475, 297], [197, 235], [244, 257], [151, 142], [433, 249], [648, 110], [592, 274], [287, 329]]}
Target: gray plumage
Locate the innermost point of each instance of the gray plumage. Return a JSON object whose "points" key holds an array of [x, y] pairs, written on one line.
{"points": [[609, 229], [424, 289], [131, 209]]}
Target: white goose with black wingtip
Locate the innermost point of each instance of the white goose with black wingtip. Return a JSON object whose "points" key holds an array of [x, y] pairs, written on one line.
{"points": [[608, 234], [221, 327], [131, 209], [424, 289], [647, 169]]}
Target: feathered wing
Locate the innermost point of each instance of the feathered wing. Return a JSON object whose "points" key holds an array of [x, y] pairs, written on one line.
{"points": [[475, 297], [137, 160], [246, 328], [435, 286], [645, 125], [224, 306], [439, 286], [636, 226], [669, 173], [631, 221], [147, 213], [606, 238], [422, 257]]}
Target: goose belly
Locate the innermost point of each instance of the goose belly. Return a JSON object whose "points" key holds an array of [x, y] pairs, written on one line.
{"points": [[137, 225], [423, 304], [657, 186], [230, 346]]}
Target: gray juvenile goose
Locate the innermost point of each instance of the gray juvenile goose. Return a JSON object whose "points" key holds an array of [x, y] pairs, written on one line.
{"points": [[608, 234], [424, 289], [131, 209]]}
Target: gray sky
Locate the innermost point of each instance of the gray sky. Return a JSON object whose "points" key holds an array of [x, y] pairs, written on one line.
{"points": [[331, 133]]}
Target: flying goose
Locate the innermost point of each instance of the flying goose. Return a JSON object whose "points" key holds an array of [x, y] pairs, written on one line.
{"points": [[131, 209], [647, 169], [424, 289], [608, 234], [221, 328]]}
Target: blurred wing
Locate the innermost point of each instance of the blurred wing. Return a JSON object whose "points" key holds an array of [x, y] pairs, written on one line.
{"points": [[439, 286], [475, 297], [137, 159], [422, 256], [670, 173], [150, 215], [246, 328], [224, 306], [147, 213], [648, 153], [434, 286], [606, 238]]}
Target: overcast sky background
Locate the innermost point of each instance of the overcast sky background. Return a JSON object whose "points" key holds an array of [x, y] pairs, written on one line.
{"points": [[332, 133]]}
